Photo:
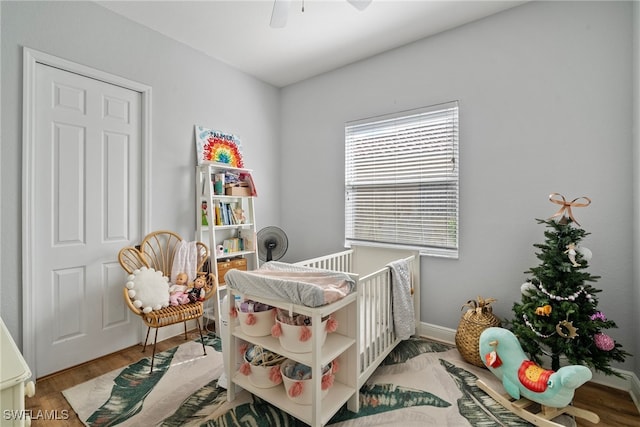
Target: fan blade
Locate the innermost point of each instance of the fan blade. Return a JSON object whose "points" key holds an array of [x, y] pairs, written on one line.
{"points": [[359, 4], [280, 13]]}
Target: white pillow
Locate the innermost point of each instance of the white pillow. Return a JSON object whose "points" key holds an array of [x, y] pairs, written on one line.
{"points": [[148, 289]]}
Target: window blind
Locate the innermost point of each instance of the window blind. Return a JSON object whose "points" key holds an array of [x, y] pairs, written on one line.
{"points": [[401, 180]]}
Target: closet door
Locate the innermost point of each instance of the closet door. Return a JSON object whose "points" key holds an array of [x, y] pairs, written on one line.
{"points": [[86, 206]]}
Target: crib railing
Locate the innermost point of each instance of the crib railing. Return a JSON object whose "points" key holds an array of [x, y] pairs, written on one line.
{"points": [[375, 333], [376, 319], [341, 261]]}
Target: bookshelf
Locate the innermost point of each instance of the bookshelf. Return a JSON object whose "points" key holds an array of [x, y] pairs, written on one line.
{"points": [[225, 221]]}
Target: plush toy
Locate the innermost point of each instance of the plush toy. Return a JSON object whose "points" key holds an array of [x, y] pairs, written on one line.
{"points": [[178, 291], [238, 213], [198, 290], [502, 354]]}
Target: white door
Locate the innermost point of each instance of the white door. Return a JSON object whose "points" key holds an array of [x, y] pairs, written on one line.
{"points": [[87, 178]]}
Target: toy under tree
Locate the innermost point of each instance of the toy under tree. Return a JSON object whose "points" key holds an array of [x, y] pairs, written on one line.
{"points": [[558, 315]]}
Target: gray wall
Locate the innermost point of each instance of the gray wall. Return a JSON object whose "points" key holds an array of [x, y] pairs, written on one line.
{"points": [[188, 88], [545, 92]]}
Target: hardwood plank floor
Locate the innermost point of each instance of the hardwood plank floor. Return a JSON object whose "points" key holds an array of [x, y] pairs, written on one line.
{"points": [[49, 389], [615, 407]]}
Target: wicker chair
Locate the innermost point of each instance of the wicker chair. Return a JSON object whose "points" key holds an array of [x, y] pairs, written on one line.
{"points": [[157, 251]]}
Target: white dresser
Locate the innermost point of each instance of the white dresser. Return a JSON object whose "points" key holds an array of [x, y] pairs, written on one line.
{"points": [[13, 374]]}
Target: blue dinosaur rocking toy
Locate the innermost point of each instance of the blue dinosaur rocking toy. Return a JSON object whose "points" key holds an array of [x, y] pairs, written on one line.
{"points": [[528, 383]]}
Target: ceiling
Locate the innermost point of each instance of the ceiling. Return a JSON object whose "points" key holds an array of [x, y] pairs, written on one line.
{"points": [[327, 35]]}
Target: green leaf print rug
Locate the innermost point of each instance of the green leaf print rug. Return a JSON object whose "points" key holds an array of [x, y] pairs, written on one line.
{"points": [[421, 383]]}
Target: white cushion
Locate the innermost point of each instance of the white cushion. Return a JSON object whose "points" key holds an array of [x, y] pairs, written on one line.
{"points": [[148, 289]]}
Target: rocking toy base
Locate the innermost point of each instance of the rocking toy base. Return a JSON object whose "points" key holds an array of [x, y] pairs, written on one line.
{"points": [[545, 414]]}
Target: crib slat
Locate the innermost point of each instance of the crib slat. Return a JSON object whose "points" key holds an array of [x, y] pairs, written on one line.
{"points": [[342, 261], [374, 311]]}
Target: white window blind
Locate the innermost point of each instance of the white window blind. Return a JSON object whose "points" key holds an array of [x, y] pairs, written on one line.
{"points": [[401, 180]]}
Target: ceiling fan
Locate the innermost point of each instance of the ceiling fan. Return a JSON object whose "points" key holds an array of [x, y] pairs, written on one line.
{"points": [[280, 11]]}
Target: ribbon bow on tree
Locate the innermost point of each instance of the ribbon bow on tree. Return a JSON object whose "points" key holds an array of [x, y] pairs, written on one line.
{"points": [[566, 206]]}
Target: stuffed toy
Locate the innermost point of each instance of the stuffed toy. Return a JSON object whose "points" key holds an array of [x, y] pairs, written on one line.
{"points": [[501, 352], [238, 213], [178, 291], [198, 291]]}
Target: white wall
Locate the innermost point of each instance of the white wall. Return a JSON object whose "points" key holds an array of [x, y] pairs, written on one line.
{"points": [[636, 173], [188, 88], [545, 92]]}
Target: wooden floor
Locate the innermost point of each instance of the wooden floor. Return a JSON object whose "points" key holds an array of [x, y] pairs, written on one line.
{"points": [[615, 407], [49, 396]]}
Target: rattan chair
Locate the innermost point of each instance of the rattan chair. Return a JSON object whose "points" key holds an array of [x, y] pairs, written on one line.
{"points": [[157, 250]]}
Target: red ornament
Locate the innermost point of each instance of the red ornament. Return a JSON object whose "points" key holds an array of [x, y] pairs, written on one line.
{"points": [[604, 341]]}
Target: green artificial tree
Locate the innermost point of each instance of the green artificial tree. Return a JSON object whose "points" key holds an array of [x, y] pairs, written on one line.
{"points": [[558, 315]]}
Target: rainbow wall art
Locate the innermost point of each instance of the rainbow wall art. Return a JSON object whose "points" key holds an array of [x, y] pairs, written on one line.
{"points": [[218, 147]]}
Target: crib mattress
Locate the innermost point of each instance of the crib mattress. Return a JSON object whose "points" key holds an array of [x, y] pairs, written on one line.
{"points": [[297, 284]]}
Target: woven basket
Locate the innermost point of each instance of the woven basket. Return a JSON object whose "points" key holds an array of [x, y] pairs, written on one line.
{"points": [[477, 318]]}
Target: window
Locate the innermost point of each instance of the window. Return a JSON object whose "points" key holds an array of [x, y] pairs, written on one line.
{"points": [[401, 180]]}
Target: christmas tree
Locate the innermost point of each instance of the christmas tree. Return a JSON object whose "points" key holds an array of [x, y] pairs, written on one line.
{"points": [[558, 315]]}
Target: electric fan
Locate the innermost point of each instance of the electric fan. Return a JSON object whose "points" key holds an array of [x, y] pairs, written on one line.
{"points": [[272, 243]]}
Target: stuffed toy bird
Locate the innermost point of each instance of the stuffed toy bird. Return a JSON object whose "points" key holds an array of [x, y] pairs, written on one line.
{"points": [[502, 354]]}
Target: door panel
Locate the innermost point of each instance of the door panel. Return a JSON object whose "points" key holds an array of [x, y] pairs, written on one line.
{"points": [[87, 206], [68, 186]]}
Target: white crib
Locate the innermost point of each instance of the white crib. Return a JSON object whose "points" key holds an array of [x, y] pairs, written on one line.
{"points": [[370, 324], [369, 266]]}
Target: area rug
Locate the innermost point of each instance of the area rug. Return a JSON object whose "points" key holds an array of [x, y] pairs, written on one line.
{"points": [[421, 383]]}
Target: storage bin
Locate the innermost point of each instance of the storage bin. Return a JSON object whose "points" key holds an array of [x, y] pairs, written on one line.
{"points": [[238, 189], [262, 367], [230, 264], [257, 324], [294, 331], [299, 389], [292, 337]]}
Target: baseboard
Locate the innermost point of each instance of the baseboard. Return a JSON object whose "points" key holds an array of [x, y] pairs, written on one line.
{"points": [[437, 333], [634, 389], [629, 382]]}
